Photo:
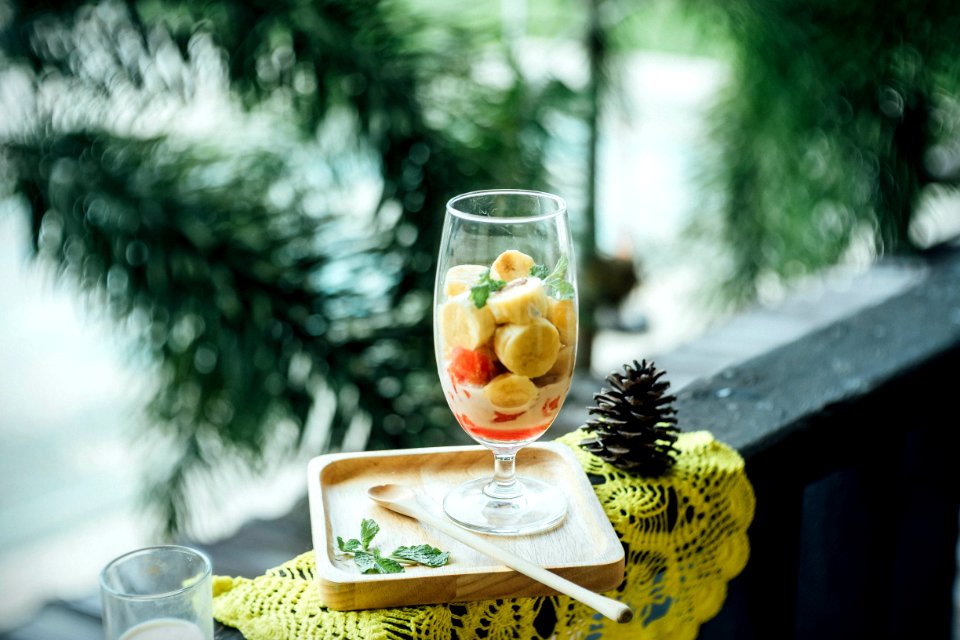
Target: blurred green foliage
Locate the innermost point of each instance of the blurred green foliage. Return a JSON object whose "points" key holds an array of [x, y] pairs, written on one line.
{"points": [[277, 259], [280, 261], [838, 118]]}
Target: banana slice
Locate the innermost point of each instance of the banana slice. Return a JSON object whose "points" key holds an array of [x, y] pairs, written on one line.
{"points": [[527, 349], [561, 369], [564, 363], [463, 325], [522, 301], [563, 315], [510, 265], [509, 391], [461, 277]]}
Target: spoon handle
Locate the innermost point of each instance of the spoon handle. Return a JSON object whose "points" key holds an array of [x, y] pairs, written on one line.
{"points": [[609, 607]]}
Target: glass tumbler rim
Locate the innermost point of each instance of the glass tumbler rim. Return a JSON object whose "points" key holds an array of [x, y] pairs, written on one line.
{"points": [[207, 571], [561, 206]]}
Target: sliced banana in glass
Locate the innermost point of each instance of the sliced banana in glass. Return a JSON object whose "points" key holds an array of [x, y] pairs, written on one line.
{"points": [[561, 370], [510, 391], [463, 324], [520, 302], [527, 349], [510, 265], [461, 277], [563, 315]]}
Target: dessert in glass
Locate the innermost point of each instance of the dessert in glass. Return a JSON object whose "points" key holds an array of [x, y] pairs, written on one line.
{"points": [[505, 334]]}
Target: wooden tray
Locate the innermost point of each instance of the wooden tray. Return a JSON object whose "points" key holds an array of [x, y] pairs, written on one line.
{"points": [[584, 548]]}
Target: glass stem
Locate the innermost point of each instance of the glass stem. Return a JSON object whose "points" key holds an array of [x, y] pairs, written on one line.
{"points": [[504, 485]]}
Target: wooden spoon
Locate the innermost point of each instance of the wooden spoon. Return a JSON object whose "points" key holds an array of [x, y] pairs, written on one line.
{"points": [[402, 499]]}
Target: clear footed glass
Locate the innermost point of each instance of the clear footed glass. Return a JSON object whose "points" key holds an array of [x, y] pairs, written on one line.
{"points": [[505, 504], [505, 334]]}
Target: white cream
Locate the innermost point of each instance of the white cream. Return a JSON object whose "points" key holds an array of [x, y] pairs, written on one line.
{"points": [[470, 401], [164, 629]]}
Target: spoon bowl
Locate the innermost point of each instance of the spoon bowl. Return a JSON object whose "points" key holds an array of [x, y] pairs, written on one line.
{"points": [[391, 493]]}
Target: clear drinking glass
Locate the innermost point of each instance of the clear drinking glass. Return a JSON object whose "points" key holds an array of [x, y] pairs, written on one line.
{"points": [[505, 335], [158, 593]]}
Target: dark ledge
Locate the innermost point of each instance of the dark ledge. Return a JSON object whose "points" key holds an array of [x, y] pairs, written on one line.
{"points": [[758, 404], [851, 436]]}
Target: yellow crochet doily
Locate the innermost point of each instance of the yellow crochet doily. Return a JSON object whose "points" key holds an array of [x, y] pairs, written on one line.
{"points": [[685, 537]]}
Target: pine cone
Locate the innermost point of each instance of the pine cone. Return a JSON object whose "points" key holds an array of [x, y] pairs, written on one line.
{"points": [[635, 427]]}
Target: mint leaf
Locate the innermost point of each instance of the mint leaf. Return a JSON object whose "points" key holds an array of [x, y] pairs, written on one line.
{"points": [[375, 563], [369, 560], [560, 270], [349, 546], [561, 290], [484, 287], [556, 283], [422, 554], [539, 271], [368, 529]]}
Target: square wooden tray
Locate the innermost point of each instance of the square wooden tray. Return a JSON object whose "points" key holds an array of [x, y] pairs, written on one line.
{"points": [[584, 548]]}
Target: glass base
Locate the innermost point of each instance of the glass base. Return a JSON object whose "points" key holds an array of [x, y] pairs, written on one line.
{"points": [[537, 507]]}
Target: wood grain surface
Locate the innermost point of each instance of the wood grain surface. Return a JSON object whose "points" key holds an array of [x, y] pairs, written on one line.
{"points": [[584, 548]]}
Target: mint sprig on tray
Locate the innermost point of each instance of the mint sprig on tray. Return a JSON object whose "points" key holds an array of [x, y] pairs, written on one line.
{"points": [[370, 560]]}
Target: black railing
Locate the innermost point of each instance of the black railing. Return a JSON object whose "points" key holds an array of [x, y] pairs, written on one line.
{"points": [[852, 441]]}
